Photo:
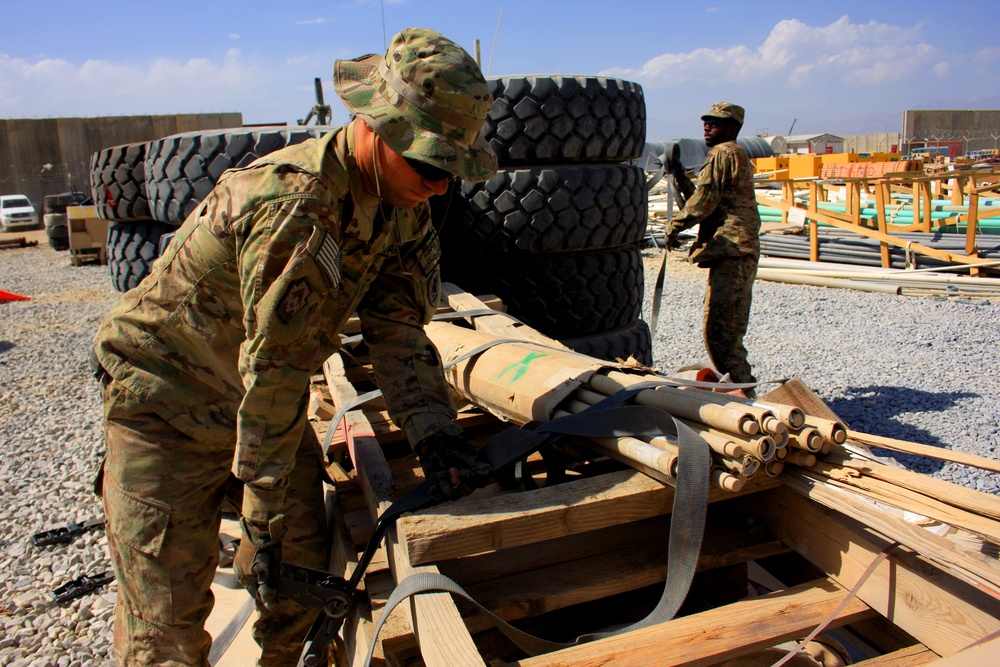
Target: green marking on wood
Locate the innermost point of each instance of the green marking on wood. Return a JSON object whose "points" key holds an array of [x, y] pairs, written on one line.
{"points": [[519, 368]]}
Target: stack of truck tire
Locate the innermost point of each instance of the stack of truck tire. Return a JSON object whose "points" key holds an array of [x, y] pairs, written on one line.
{"points": [[54, 217], [147, 189], [556, 233]]}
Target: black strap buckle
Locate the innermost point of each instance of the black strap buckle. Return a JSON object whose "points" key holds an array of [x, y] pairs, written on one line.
{"points": [[65, 534], [81, 586], [315, 588]]}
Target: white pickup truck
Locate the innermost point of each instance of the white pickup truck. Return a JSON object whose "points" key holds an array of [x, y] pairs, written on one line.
{"points": [[17, 212]]}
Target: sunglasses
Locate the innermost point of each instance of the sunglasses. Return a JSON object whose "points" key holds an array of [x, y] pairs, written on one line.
{"points": [[714, 122], [427, 171]]}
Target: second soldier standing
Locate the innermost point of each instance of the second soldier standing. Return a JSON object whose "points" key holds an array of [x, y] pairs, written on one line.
{"points": [[723, 205]]}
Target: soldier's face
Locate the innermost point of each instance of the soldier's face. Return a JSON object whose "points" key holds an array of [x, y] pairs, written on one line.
{"points": [[402, 186], [718, 130]]}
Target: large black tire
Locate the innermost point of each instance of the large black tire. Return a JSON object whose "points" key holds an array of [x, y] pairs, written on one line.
{"points": [[632, 340], [550, 209], [57, 230], [118, 182], [555, 119], [183, 168], [559, 294], [132, 249]]}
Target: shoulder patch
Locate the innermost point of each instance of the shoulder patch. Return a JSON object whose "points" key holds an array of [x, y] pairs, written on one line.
{"points": [[295, 298], [328, 258]]}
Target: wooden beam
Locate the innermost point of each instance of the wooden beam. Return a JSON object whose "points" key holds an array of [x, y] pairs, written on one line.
{"points": [[499, 325], [911, 656], [950, 555], [730, 631], [924, 450], [834, 220], [443, 638], [940, 611], [531, 591], [472, 526], [980, 655]]}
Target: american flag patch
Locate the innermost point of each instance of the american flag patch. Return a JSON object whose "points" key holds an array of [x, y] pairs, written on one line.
{"points": [[328, 258]]}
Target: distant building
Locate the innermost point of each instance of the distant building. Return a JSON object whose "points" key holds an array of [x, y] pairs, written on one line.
{"points": [[806, 143], [960, 130]]}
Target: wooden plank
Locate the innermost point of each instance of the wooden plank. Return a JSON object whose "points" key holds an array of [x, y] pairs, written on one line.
{"points": [[911, 656], [471, 526], [711, 636], [949, 554], [833, 220], [726, 525], [442, 635], [924, 450], [945, 501], [534, 591], [980, 655], [444, 640], [941, 612], [498, 325]]}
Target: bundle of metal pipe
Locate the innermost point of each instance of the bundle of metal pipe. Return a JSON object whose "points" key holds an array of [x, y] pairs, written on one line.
{"points": [[745, 437], [836, 246], [911, 282]]}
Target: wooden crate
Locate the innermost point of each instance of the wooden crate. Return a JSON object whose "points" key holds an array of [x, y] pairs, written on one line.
{"points": [[778, 559], [87, 235]]}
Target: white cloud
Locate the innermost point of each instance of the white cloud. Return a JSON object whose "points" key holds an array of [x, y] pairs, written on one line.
{"points": [[161, 86], [314, 21], [796, 54], [988, 55]]}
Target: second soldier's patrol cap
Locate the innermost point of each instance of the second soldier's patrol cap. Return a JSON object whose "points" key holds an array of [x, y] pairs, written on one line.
{"points": [[426, 98], [726, 110]]}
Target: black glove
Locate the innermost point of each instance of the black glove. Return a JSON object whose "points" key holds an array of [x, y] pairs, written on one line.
{"points": [[671, 242], [257, 564], [452, 465]]}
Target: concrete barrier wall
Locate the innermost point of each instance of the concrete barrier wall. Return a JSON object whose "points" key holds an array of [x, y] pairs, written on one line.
{"points": [[51, 155]]}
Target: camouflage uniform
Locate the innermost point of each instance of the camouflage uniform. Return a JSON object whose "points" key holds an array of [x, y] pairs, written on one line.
{"points": [[723, 204], [206, 371]]}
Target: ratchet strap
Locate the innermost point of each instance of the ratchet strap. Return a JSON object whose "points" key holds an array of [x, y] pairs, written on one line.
{"points": [[607, 418]]}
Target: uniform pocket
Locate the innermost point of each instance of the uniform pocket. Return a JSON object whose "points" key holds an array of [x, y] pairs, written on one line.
{"points": [[137, 522]]}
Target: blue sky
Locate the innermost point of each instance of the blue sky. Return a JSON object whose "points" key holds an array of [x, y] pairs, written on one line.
{"points": [[842, 67]]}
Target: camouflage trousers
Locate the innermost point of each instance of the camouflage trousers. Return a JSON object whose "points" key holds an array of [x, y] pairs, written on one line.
{"points": [[163, 498], [727, 313]]}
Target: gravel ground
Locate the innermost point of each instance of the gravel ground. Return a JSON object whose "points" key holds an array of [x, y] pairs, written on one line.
{"points": [[921, 369], [50, 444]]}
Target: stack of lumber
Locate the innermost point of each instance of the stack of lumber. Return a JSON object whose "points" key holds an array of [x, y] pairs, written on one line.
{"points": [[896, 567], [868, 169]]}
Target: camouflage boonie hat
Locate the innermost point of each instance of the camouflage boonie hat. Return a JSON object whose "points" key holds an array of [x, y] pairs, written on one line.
{"points": [[726, 110], [426, 98]]}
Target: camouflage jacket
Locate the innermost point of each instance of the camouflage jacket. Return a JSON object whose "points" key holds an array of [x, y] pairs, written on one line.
{"points": [[722, 204], [249, 300]]}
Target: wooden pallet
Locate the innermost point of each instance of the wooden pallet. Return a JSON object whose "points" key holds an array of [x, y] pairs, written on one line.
{"points": [[79, 256], [778, 560]]}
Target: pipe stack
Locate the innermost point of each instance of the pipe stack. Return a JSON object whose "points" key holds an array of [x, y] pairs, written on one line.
{"points": [[526, 381], [746, 438]]}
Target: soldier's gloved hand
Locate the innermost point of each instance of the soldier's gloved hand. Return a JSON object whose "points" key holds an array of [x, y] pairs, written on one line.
{"points": [[671, 242], [453, 466], [257, 564]]}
